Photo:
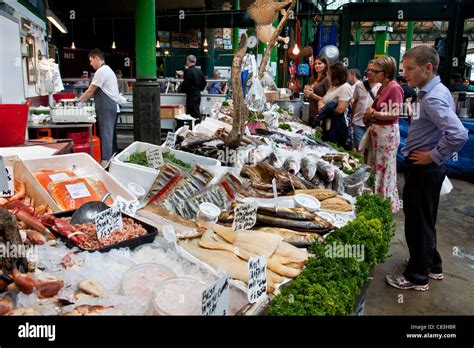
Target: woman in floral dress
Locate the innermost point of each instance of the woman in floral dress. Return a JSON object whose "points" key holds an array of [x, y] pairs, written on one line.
{"points": [[384, 130]]}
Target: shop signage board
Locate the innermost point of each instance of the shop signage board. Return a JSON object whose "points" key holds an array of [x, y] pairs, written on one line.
{"points": [[7, 187]]}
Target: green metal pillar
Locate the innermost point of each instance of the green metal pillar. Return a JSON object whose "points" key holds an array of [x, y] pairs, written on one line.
{"points": [[409, 38], [235, 31], [145, 34], [274, 55], [358, 34], [381, 39], [146, 91]]}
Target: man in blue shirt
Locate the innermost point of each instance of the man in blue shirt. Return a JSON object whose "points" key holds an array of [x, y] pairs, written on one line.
{"points": [[435, 135]]}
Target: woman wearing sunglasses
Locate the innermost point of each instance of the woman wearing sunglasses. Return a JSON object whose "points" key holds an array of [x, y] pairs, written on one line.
{"points": [[384, 132]]}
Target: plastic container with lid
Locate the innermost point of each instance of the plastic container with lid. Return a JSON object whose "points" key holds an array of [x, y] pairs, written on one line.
{"points": [[178, 296], [208, 212], [142, 279], [136, 190], [308, 202]]}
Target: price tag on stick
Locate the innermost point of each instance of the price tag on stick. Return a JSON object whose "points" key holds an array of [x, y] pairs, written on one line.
{"points": [[215, 299], [257, 286], [154, 157], [7, 182], [3, 176], [108, 221], [245, 216], [127, 207], [170, 140]]}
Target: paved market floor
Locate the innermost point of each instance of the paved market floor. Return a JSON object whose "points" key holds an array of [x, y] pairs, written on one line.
{"points": [[452, 296]]}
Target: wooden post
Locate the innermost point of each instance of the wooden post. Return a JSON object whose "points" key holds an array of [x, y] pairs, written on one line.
{"points": [[240, 108], [276, 34]]}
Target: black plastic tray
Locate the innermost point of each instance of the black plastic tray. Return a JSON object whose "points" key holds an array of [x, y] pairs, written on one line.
{"points": [[131, 243]]}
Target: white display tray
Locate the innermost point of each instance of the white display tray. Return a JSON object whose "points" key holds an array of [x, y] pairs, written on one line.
{"points": [[84, 165]]}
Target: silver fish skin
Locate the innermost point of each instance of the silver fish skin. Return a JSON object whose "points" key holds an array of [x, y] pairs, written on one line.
{"points": [[308, 168]]}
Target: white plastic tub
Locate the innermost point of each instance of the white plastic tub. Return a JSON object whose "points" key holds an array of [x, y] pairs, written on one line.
{"points": [[83, 165]]}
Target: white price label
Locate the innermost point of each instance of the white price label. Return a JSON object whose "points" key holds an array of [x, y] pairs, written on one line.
{"points": [[275, 192], [78, 190], [108, 221], [7, 178], [257, 286], [273, 122], [3, 176], [154, 157], [59, 177], [170, 140], [245, 216], [215, 299], [247, 131], [127, 207]]}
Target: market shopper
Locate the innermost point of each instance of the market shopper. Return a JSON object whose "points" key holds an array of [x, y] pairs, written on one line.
{"points": [[333, 107], [384, 131], [217, 87], [104, 89], [318, 87], [194, 82], [433, 137], [363, 97]]}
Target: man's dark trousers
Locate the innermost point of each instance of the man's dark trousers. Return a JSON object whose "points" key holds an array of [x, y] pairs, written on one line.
{"points": [[192, 107], [420, 205]]}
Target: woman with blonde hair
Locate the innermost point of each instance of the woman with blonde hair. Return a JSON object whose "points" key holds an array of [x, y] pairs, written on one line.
{"points": [[384, 131]]}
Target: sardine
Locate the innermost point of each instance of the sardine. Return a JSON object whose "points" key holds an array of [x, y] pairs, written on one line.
{"points": [[287, 213], [309, 167], [276, 161], [317, 225]]}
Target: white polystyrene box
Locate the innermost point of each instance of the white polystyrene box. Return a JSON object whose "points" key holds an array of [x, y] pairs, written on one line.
{"points": [[85, 166], [126, 173]]}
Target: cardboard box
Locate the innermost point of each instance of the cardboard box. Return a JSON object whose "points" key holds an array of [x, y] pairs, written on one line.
{"points": [[272, 96], [171, 110]]}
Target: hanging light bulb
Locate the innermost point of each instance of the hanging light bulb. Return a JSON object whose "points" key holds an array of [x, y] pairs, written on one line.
{"points": [[157, 43], [73, 46], [167, 52], [205, 43], [113, 34], [296, 50]]}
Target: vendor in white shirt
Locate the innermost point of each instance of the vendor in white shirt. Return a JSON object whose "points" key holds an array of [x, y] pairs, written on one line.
{"points": [[104, 90]]}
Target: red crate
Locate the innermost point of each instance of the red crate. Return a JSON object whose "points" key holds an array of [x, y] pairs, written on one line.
{"points": [[13, 120]]}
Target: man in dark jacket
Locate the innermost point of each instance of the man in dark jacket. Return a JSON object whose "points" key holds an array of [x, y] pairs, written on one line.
{"points": [[194, 82]]}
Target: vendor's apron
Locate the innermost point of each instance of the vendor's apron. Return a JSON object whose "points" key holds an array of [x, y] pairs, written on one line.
{"points": [[106, 110]]}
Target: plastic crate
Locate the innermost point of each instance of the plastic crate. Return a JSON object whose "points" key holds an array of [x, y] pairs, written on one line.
{"points": [[13, 118]]}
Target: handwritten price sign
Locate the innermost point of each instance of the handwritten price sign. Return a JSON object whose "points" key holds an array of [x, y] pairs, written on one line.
{"points": [[245, 216]]}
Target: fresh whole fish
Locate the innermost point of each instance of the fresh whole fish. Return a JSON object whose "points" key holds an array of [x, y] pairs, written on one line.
{"points": [[276, 161], [293, 237], [327, 171], [292, 165], [308, 167], [195, 140], [287, 213], [317, 225]]}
